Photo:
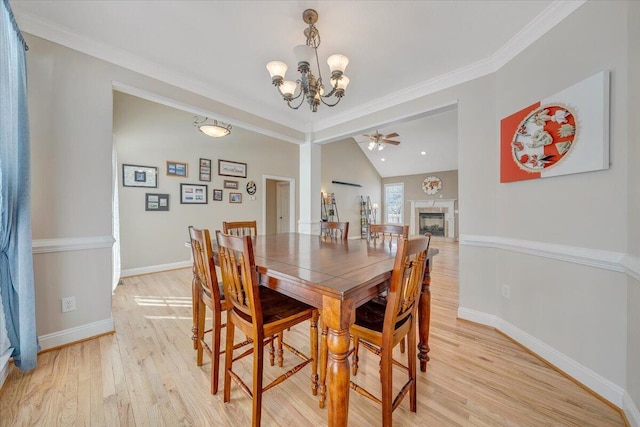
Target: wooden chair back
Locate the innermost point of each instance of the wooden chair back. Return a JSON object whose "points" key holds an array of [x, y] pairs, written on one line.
{"points": [[391, 232], [240, 228], [406, 283], [204, 270], [239, 275], [335, 230]]}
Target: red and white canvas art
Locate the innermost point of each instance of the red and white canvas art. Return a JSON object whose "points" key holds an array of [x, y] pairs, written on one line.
{"points": [[565, 133]]}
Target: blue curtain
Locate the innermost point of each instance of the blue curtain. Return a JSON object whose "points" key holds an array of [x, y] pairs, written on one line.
{"points": [[16, 260]]}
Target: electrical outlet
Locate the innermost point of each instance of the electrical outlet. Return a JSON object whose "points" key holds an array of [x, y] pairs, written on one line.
{"points": [[68, 304], [506, 291]]}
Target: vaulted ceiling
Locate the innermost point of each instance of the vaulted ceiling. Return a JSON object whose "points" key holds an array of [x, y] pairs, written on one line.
{"points": [[398, 51]]}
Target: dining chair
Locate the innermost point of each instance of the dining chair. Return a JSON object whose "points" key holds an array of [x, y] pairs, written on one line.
{"points": [[240, 228], [261, 314], [208, 294], [380, 326], [336, 230], [388, 231]]}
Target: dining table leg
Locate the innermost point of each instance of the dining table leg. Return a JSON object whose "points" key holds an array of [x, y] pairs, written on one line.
{"points": [[424, 318], [338, 317]]}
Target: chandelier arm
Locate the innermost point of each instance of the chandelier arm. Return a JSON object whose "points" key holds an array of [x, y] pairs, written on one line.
{"points": [[330, 105], [293, 97], [297, 106]]}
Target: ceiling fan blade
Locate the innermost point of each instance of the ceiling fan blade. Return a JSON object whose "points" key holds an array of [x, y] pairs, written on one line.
{"points": [[388, 141], [391, 135]]}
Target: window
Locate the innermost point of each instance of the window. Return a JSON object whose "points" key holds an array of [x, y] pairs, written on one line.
{"points": [[393, 203]]}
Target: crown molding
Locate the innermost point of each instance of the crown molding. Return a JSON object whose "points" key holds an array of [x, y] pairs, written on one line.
{"points": [[66, 37], [555, 13], [606, 260], [541, 24], [154, 97]]}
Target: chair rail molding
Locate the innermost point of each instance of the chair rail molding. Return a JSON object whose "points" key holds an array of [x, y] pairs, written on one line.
{"points": [[607, 260], [64, 244]]}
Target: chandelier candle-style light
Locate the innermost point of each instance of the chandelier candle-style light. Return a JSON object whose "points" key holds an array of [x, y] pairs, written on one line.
{"points": [[308, 84], [214, 129]]}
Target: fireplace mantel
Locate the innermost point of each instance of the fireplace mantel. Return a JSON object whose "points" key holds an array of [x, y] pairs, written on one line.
{"points": [[446, 206]]}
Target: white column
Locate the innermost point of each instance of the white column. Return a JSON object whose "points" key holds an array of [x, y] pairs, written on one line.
{"points": [[310, 185]]}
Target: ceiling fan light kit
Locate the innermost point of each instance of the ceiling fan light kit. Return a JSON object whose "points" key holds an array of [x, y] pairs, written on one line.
{"points": [[308, 86], [377, 140], [214, 130]]}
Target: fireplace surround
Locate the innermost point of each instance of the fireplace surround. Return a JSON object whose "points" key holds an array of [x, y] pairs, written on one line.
{"points": [[434, 206]]}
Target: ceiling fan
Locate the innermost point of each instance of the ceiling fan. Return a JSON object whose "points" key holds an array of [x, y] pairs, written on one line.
{"points": [[377, 140]]}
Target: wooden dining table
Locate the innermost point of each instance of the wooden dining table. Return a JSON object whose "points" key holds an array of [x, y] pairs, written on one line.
{"points": [[336, 276]]}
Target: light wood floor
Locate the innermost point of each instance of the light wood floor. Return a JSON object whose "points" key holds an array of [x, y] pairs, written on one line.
{"points": [[145, 374]]}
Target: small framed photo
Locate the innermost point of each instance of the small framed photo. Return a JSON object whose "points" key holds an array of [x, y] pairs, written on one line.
{"points": [[235, 197], [194, 194], [177, 169], [229, 168], [205, 170], [217, 195], [231, 184], [139, 176], [156, 202]]}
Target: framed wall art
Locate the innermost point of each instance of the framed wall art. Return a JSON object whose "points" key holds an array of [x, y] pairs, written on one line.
{"points": [[156, 202], [139, 176], [229, 168], [177, 169], [235, 197], [205, 170], [217, 195], [565, 133], [195, 194], [231, 184]]}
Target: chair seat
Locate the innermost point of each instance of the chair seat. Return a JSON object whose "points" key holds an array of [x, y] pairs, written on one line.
{"points": [[371, 314], [276, 306]]}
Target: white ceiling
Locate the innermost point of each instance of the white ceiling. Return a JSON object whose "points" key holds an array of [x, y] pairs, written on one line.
{"points": [[398, 50]]}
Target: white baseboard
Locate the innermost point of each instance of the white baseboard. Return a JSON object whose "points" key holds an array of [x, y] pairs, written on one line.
{"points": [[155, 268], [590, 379], [630, 410], [4, 365], [78, 333]]}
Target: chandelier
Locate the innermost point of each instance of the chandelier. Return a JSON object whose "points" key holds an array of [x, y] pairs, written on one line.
{"points": [[308, 86], [214, 129]]}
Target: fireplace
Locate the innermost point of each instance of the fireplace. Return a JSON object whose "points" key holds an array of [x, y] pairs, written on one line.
{"points": [[431, 222], [436, 216]]}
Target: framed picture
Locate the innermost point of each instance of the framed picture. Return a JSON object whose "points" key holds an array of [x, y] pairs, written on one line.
{"points": [[231, 184], [235, 197], [139, 176], [177, 169], [217, 195], [195, 194], [205, 170], [229, 168], [156, 202]]}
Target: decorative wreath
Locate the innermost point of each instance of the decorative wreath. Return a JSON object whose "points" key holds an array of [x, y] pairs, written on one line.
{"points": [[431, 185]]}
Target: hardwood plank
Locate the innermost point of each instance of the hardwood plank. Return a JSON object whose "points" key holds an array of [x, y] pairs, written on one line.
{"points": [[146, 373]]}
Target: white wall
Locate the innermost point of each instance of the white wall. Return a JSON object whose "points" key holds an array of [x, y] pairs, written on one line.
{"points": [[149, 134]]}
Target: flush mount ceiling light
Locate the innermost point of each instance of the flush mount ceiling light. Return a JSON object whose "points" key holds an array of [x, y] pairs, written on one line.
{"points": [[309, 85], [215, 129]]}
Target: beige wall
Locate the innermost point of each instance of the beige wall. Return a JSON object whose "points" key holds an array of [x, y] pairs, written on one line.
{"points": [[149, 134], [344, 161], [633, 171], [70, 108], [413, 189]]}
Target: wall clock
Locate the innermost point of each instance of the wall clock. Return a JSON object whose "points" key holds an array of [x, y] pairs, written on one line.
{"points": [[431, 185], [251, 188]]}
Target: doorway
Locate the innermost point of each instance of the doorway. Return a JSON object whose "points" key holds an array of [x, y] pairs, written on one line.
{"points": [[279, 204]]}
